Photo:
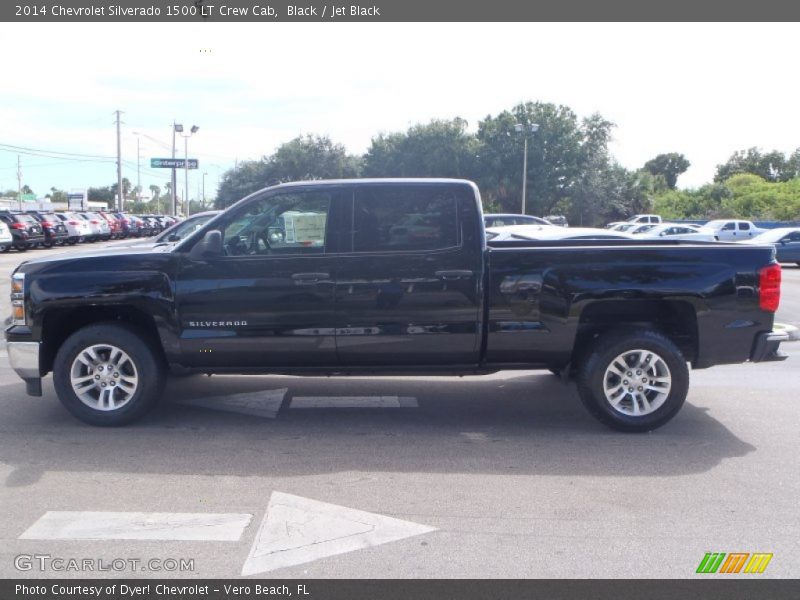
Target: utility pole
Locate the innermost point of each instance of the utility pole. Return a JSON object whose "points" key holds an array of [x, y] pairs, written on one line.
{"points": [[138, 171], [173, 185], [204, 190], [525, 175], [186, 175], [121, 204], [19, 182]]}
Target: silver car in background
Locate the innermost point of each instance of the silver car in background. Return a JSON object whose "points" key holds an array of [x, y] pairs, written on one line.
{"points": [[99, 227], [77, 227]]}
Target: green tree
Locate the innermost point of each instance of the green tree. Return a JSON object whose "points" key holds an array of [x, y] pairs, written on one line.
{"points": [[303, 158], [57, 196], [559, 153], [102, 194], [772, 166], [669, 166], [439, 148]]}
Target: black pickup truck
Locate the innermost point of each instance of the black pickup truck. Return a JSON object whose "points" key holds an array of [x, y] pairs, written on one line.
{"points": [[389, 276]]}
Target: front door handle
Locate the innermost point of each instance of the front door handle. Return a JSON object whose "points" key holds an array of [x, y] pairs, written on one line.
{"points": [[311, 277], [454, 274]]}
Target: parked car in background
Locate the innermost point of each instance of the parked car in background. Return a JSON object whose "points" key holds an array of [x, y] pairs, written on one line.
{"points": [[786, 241], [25, 230], [504, 220], [129, 226], [54, 231], [6, 239], [173, 234], [78, 228], [98, 226], [733, 230], [155, 225], [548, 232], [635, 219], [559, 220], [640, 228], [676, 231], [145, 229], [113, 223], [622, 227]]}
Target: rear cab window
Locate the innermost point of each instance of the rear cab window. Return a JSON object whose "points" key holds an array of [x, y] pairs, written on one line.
{"points": [[405, 218]]}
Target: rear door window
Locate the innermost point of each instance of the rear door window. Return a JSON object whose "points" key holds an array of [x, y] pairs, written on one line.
{"points": [[403, 218], [744, 226]]}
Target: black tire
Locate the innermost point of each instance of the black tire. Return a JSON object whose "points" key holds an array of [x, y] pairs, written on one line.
{"points": [[592, 373], [21, 247], [148, 364]]}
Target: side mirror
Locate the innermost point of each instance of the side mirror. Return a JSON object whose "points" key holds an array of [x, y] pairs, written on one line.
{"points": [[173, 237], [209, 247]]}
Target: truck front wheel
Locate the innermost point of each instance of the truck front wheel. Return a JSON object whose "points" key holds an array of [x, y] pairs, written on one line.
{"points": [[107, 375], [633, 381]]}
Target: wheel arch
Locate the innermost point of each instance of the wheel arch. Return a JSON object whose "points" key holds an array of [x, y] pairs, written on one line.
{"points": [[59, 323], [674, 318]]}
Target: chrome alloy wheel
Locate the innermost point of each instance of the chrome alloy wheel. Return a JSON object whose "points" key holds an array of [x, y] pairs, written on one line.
{"points": [[104, 377], [637, 383]]}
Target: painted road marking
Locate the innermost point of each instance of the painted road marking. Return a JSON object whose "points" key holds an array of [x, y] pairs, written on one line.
{"points": [[304, 402], [84, 525], [299, 530], [259, 404]]}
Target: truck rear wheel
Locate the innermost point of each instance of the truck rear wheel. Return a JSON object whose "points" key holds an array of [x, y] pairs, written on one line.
{"points": [[633, 381], [107, 375]]}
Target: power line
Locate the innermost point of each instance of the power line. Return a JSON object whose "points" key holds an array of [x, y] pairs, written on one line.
{"points": [[16, 148], [56, 157]]}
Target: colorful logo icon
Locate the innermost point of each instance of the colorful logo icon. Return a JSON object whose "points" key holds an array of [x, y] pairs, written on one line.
{"points": [[736, 562]]}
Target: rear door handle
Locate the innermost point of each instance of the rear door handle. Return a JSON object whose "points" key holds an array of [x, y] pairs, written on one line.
{"points": [[311, 277], [454, 274]]}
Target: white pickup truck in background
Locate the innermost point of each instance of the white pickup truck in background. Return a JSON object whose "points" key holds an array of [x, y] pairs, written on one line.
{"points": [[731, 230]]}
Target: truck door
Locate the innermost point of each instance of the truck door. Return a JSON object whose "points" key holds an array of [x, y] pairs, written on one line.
{"points": [[745, 231], [408, 291], [269, 299], [728, 232]]}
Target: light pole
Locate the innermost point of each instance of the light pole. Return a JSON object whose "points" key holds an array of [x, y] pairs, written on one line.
{"points": [[179, 128], [174, 183], [204, 190], [520, 128]]}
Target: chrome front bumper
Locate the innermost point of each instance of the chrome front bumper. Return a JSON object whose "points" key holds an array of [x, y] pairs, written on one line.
{"points": [[24, 359]]}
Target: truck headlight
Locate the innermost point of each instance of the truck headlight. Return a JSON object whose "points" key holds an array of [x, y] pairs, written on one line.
{"points": [[18, 299]]}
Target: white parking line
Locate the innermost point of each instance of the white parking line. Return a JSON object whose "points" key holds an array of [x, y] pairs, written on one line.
{"points": [[304, 402], [84, 525], [298, 530], [259, 404]]}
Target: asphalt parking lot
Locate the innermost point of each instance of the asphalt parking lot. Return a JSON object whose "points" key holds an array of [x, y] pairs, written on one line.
{"points": [[474, 477]]}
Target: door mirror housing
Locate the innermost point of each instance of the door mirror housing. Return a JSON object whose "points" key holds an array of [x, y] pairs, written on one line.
{"points": [[209, 247]]}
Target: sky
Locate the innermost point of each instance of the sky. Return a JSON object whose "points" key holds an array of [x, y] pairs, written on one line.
{"points": [[704, 90]]}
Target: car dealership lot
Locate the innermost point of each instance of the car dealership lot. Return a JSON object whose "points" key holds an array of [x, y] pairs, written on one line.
{"points": [[497, 476]]}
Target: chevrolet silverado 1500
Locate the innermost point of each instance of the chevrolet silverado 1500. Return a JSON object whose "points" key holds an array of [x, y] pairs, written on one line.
{"points": [[389, 276]]}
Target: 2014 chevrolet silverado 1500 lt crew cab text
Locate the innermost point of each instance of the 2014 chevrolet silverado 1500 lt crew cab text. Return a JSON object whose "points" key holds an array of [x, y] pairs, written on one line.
{"points": [[389, 276]]}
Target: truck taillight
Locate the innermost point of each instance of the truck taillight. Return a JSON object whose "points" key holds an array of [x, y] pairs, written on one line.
{"points": [[18, 299], [769, 287], [46, 224], [72, 222]]}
